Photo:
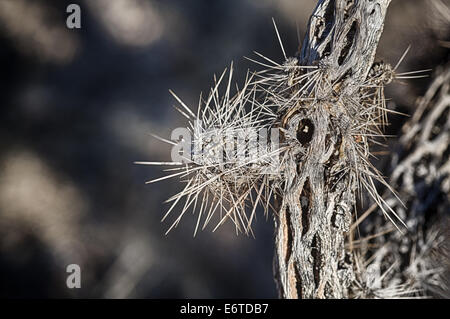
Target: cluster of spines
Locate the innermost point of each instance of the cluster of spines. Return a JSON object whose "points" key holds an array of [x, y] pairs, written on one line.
{"points": [[236, 188], [229, 187]]}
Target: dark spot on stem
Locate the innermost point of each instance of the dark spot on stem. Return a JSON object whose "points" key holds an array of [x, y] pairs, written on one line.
{"points": [[317, 258], [349, 40], [298, 285], [289, 235], [328, 18], [305, 131], [305, 202]]}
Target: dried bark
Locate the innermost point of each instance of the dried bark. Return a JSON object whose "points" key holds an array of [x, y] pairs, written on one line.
{"points": [[314, 212], [419, 262]]}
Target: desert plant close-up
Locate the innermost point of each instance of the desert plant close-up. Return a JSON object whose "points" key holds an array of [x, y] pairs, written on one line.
{"points": [[292, 149]]}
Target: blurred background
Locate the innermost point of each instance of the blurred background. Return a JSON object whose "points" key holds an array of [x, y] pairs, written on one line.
{"points": [[77, 108]]}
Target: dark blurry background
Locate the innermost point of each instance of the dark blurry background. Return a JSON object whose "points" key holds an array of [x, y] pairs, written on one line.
{"points": [[77, 107]]}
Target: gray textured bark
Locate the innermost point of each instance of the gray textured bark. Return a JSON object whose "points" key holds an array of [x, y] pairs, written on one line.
{"points": [[315, 211], [417, 264], [421, 174]]}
